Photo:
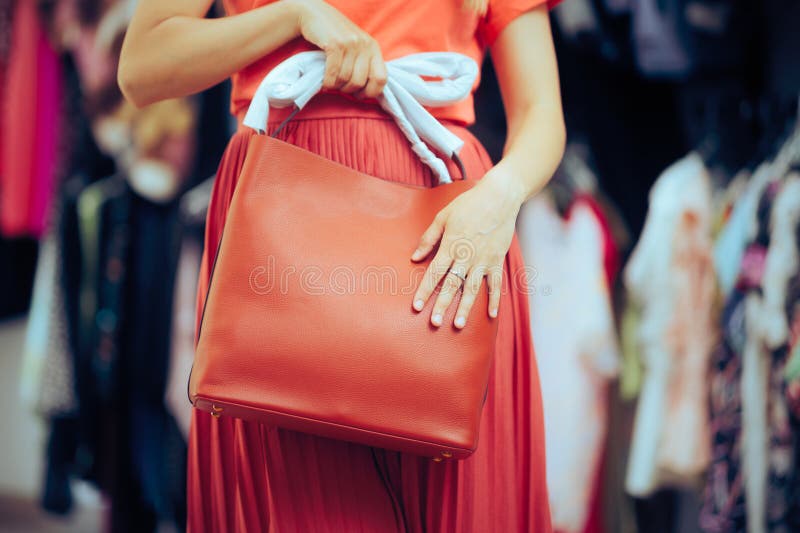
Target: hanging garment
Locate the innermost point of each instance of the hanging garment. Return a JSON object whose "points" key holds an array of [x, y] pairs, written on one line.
{"points": [[38, 326], [723, 508], [59, 394], [750, 218], [576, 19], [792, 309], [792, 396], [780, 266], [156, 447], [48, 134], [751, 480], [6, 11], [32, 100], [670, 275], [758, 400], [19, 115], [102, 298], [614, 234], [755, 427], [658, 47], [631, 369], [678, 38], [781, 263], [577, 355], [610, 248], [730, 244], [129, 446], [56, 390], [771, 335], [98, 234], [47, 383], [725, 201], [719, 34], [193, 209]]}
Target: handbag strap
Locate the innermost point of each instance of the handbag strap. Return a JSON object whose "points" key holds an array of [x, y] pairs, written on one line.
{"points": [[408, 89]]}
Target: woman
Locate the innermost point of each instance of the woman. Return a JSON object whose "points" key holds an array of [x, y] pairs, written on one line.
{"points": [[250, 477]]}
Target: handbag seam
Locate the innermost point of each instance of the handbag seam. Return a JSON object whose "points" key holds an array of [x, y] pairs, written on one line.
{"points": [[335, 424]]}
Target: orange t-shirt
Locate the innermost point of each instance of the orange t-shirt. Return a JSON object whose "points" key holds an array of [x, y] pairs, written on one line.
{"points": [[400, 27]]}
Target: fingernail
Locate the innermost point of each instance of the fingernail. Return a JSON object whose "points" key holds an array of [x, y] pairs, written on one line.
{"points": [[493, 313], [461, 322], [418, 305], [437, 320], [415, 255]]}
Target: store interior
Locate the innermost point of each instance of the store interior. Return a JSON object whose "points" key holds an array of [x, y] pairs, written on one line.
{"points": [[665, 301]]}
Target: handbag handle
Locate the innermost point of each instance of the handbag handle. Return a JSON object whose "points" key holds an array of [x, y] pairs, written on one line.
{"points": [[408, 88]]}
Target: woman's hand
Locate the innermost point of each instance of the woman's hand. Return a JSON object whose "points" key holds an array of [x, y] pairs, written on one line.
{"points": [[475, 231], [476, 228], [353, 60]]}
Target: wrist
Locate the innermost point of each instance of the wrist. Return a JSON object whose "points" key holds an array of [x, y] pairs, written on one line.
{"points": [[503, 178], [296, 11]]}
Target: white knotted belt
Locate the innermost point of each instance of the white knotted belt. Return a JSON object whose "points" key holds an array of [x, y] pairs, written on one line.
{"points": [[433, 79]]}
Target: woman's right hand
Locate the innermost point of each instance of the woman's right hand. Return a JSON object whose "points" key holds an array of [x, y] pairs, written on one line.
{"points": [[353, 60]]}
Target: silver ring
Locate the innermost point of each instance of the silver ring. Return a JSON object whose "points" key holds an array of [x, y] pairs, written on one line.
{"points": [[461, 276]]}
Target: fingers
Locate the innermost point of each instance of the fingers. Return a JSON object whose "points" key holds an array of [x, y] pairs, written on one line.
{"points": [[430, 238], [345, 74], [333, 64], [494, 280], [355, 66], [358, 75], [450, 287], [377, 77], [433, 275], [456, 274], [468, 296]]}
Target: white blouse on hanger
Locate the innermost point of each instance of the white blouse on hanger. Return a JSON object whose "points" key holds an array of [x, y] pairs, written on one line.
{"points": [[671, 276], [576, 349]]}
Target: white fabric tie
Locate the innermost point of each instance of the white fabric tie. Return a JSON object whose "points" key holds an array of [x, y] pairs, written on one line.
{"points": [[294, 81]]}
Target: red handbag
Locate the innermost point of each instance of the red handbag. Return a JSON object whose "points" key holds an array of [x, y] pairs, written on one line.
{"points": [[308, 323]]}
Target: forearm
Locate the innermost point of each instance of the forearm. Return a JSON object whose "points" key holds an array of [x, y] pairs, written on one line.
{"points": [[534, 148], [526, 68], [185, 54]]}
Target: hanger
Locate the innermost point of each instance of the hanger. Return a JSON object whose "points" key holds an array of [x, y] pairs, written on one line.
{"points": [[710, 149], [573, 177], [562, 191]]}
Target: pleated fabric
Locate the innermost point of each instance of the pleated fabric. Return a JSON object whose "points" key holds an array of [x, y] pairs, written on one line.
{"points": [[250, 477]]}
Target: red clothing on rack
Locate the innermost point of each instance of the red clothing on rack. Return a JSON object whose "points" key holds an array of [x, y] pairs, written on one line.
{"points": [[30, 116]]}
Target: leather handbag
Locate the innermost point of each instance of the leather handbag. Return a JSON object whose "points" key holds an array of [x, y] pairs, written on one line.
{"points": [[308, 323]]}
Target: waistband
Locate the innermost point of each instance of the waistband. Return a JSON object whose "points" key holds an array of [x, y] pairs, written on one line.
{"points": [[325, 105]]}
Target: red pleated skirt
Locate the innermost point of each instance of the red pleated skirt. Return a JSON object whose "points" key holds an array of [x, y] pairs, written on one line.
{"points": [[250, 477]]}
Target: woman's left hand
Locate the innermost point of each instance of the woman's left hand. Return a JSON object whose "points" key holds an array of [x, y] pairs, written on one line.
{"points": [[474, 233]]}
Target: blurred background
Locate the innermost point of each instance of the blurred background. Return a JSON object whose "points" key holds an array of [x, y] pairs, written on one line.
{"points": [[665, 302]]}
